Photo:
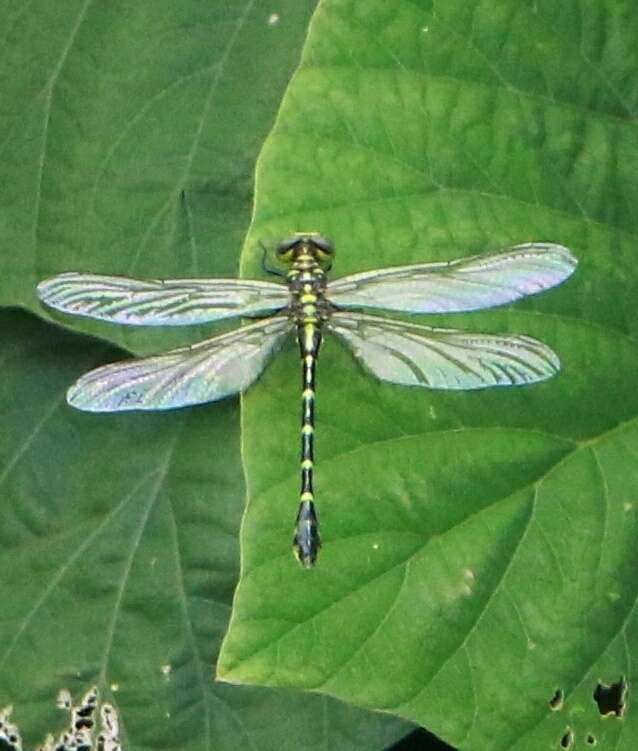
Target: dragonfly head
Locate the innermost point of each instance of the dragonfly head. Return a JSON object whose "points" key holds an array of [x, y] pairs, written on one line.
{"points": [[310, 244]]}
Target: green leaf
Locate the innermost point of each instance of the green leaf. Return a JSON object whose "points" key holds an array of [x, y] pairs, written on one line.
{"points": [[128, 137], [118, 546], [479, 548]]}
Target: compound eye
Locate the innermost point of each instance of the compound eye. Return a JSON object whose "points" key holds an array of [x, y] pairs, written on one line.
{"points": [[323, 244], [287, 245]]}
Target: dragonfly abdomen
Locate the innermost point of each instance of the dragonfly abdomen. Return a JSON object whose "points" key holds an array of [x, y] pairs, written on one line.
{"points": [[306, 540]]}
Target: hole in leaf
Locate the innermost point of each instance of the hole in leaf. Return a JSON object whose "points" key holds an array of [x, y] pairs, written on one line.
{"points": [[556, 702], [9, 734], [611, 699], [81, 729], [567, 740], [591, 739]]}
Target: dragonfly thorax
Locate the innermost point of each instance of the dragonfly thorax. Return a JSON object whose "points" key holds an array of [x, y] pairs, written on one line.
{"points": [[309, 256], [307, 285]]}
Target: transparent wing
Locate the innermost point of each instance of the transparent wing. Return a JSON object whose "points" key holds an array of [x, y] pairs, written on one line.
{"points": [[416, 355], [169, 302], [205, 372], [466, 284]]}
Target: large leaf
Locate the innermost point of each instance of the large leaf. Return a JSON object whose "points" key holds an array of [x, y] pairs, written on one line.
{"points": [[128, 136], [479, 548], [119, 553]]}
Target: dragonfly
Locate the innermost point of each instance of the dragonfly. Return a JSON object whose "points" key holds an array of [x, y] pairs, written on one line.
{"points": [[306, 304]]}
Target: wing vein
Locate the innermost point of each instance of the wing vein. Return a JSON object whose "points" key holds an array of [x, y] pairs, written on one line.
{"points": [[415, 355], [205, 372]]}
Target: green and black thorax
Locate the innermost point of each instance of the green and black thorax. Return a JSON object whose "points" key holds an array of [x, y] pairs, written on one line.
{"points": [[309, 257]]}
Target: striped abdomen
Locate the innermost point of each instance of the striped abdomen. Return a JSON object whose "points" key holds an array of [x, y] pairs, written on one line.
{"points": [[307, 541]]}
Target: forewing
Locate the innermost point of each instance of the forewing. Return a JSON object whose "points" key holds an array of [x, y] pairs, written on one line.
{"points": [[169, 302], [415, 355], [466, 284], [205, 372]]}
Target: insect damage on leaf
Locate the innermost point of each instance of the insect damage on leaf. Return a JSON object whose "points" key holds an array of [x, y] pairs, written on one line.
{"points": [[567, 741], [611, 700], [9, 733], [108, 739], [80, 734], [556, 702]]}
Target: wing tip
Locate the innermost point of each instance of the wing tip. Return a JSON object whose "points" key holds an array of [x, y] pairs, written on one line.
{"points": [[74, 399], [565, 255], [560, 252], [85, 394], [43, 288], [547, 356], [46, 289]]}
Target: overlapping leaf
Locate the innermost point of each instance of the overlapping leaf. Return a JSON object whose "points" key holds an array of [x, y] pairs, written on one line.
{"points": [[119, 550], [128, 134], [128, 138]]}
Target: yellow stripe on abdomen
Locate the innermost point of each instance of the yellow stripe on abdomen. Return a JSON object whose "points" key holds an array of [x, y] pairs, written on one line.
{"points": [[307, 540]]}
